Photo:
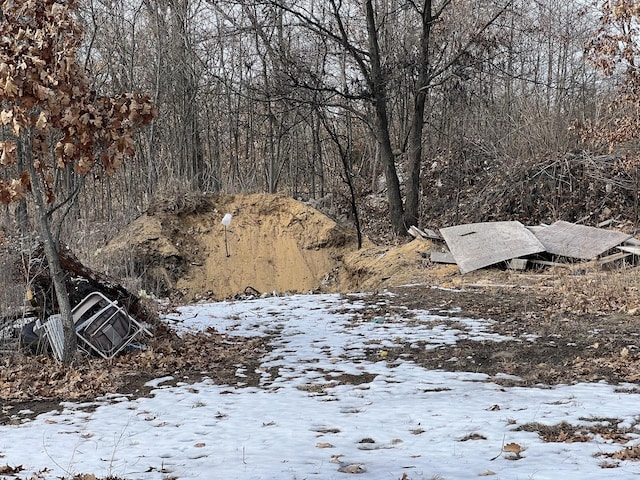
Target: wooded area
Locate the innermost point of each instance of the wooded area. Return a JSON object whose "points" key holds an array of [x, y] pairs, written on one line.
{"points": [[424, 113], [133, 131]]}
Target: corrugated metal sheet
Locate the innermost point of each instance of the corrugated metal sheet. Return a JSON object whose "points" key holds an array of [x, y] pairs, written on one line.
{"points": [[477, 245], [579, 241]]}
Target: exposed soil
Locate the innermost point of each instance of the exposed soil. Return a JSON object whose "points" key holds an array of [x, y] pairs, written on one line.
{"points": [[273, 244], [565, 324], [546, 344], [569, 323]]}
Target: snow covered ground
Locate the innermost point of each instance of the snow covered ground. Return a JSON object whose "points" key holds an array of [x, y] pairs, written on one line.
{"points": [[305, 422]]}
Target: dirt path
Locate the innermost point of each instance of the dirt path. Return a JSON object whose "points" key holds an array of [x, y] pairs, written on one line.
{"points": [[546, 343]]}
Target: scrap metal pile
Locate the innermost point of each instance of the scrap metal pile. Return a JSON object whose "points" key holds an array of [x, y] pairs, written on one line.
{"points": [[108, 318]]}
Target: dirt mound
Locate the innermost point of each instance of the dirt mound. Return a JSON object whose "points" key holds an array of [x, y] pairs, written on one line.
{"points": [[375, 267], [274, 243]]}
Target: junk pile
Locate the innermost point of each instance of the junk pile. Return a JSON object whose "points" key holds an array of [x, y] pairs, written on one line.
{"points": [[108, 318], [477, 245]]}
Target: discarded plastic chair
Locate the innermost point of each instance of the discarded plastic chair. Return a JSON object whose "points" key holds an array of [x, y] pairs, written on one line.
{"points": [[103, 326]]}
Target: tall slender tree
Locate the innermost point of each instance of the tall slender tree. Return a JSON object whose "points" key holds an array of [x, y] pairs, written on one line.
{"points": [[52, 120]]}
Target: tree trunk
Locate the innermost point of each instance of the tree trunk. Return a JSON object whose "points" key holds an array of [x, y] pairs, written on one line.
{"points": [[51, 254], [412, 207], [394, 196], [379, 91]]}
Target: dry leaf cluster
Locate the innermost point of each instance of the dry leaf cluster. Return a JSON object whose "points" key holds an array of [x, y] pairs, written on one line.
{"points": [[565, 432], [8, 470], [629, 453], [47, 100], [35, 378]]}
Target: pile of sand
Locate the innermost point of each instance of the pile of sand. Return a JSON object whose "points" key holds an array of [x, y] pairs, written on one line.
{"points": [[177, 249], [273, 244]]}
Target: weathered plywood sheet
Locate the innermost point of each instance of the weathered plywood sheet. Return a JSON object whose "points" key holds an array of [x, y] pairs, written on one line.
{"points": [[579, 241], [442, 257], [630, 248], [478, 245]]}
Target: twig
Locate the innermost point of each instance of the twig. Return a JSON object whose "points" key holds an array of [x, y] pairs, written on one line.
{"points": [[501, 450]]}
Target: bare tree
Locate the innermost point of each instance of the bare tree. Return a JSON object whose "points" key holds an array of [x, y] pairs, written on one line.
{"points": [[357, 33], [466, 88], [55, 121]]}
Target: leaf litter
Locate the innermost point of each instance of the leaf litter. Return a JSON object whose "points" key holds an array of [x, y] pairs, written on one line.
{"points": [[35, 382]]}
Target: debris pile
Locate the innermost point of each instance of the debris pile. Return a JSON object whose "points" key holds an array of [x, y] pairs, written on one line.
{"points": [[477, 245], [108, 318]]}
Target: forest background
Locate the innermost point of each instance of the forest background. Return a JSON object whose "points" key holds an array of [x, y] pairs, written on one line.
{"points": [[383, 113]]}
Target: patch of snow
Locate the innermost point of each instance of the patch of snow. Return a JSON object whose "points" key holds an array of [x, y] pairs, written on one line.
{"points": [[307, 423]]}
